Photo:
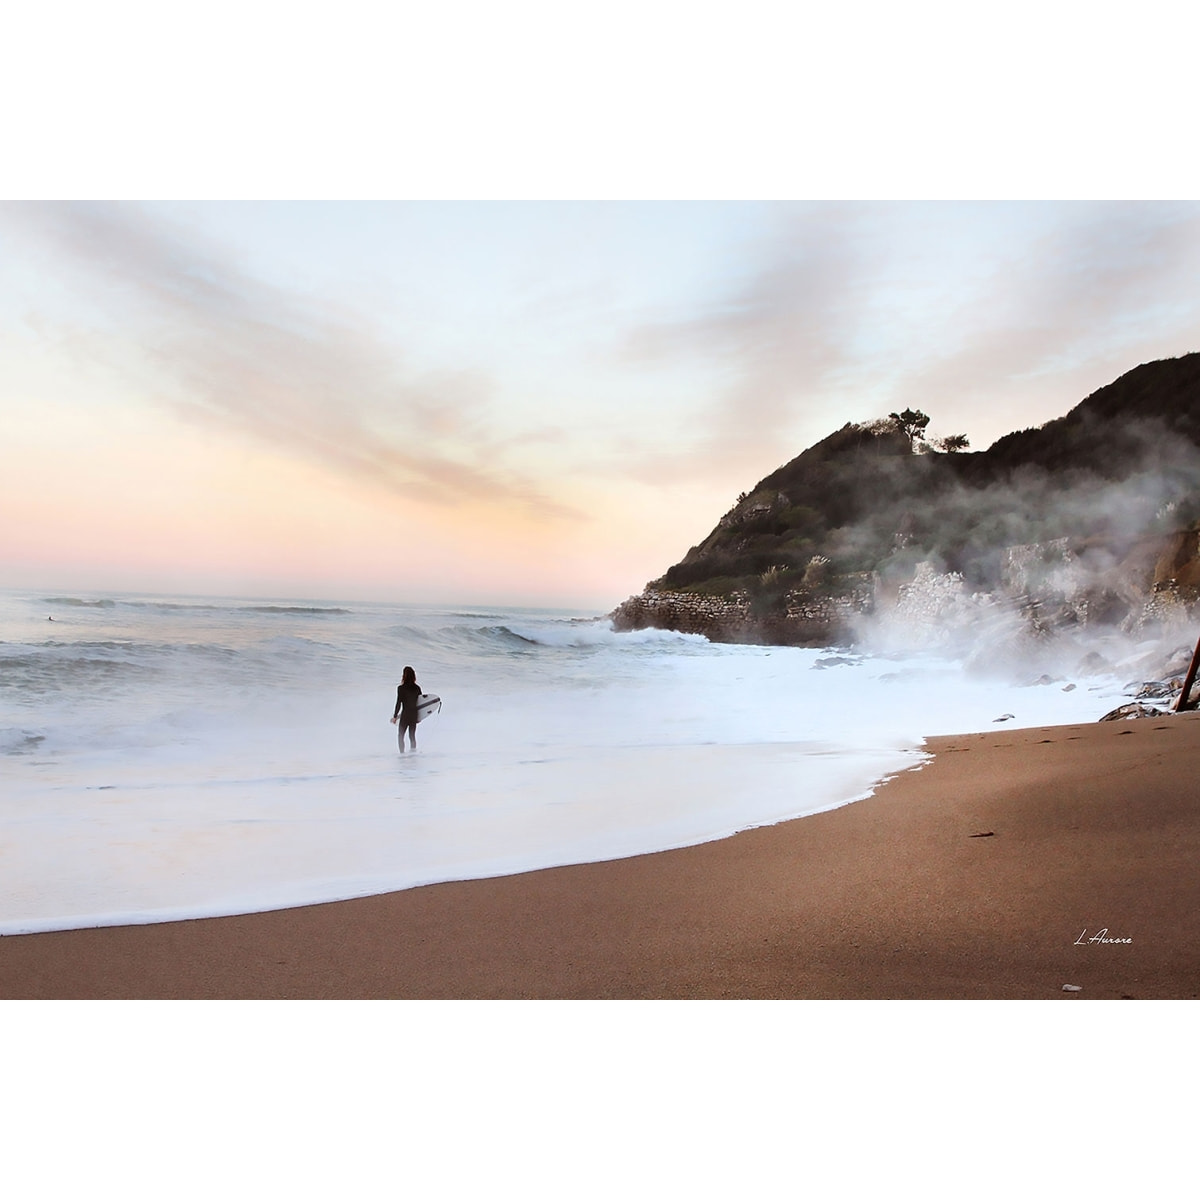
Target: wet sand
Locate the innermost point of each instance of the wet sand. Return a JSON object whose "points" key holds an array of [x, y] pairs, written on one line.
{"points": [[985, 874]]}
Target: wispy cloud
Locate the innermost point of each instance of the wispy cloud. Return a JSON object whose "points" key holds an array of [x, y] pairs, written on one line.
{"points": [[854, 310], [303, 375], [783, 334], [1103, 288], [989, 317]]}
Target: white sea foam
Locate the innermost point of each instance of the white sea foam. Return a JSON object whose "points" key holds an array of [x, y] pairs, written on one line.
{"points": [[165, 758]]}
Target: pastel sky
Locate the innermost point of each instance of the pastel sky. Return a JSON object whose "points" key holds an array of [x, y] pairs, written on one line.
{"points": [[516, 402]]}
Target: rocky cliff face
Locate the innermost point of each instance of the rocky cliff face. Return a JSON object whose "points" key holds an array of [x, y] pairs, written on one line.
{"points": [[1154, 590], [803, 620]]}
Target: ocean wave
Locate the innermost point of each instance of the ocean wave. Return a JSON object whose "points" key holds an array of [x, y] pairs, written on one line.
{"points": [[292, 644], [174, 606], [521, 638], [530, 637], [20, 741], [34, 674], [171, 606], [58, 666], [597, 634], [293, 610], [126, 648], [177, 606]]}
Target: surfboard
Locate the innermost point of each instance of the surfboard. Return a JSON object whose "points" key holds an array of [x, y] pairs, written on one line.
{"points": [[427, 705]]}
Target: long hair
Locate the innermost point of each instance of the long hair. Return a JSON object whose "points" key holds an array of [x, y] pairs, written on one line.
{"points": [[410, 676]]}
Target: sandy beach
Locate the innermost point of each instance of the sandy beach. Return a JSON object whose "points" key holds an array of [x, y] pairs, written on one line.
{"points": [[1012, 864]]}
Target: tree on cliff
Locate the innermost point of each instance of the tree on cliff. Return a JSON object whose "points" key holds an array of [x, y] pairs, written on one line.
{"points": [[911, 423], [952, 444]]}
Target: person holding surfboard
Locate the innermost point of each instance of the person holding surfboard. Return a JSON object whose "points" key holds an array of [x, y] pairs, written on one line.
{"points": [[407, 695]]}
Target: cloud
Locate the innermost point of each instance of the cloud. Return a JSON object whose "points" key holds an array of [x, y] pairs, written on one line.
{"points": [[786, 330], [989, 317], [300, 374], [1104, 288]]}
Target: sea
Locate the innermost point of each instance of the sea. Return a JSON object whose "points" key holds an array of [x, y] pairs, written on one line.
{"points": [[167, 757]]}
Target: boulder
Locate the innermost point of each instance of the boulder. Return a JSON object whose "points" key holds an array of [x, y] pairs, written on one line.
{"points": [[1133, 712]]}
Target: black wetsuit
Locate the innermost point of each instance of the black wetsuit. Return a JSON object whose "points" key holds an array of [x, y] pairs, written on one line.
{"points": [[407, 695]]}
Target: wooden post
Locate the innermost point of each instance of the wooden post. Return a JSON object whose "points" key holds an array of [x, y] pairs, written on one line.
{"points": [[1182, 702]]}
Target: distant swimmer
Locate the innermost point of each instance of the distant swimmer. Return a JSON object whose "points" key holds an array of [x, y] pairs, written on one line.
{"points": [[407, 695]]}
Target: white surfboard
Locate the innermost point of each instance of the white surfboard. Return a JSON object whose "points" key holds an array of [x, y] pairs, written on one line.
{"points": [[427, 705]]}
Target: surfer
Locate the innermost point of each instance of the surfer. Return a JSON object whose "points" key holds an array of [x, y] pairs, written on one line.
{"points": [[407, 695]]}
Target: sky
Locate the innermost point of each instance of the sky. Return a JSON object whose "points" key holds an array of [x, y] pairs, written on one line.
{"points": [[521, 402], [536, 355]]}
